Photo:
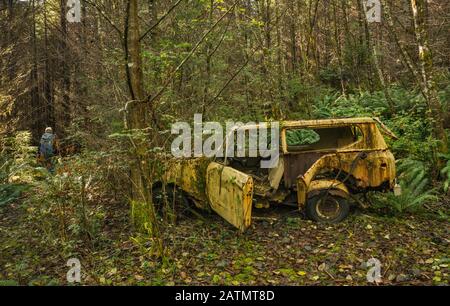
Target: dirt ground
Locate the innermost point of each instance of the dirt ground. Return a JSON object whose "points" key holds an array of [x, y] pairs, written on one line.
{"points": [[281, 248]]}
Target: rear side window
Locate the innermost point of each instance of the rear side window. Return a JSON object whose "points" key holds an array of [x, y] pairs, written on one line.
{"points": [[307, 139], [301, 137]]}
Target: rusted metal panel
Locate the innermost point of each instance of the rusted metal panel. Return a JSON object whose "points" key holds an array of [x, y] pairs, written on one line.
{"points": [[367, 160], [335, 187], [297, 164], [190, 176], [230, 194], [369, 169], [276, 174], [327, 122]]}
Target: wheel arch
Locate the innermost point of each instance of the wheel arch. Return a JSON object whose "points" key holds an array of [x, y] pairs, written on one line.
{"points": [[334, 187]]}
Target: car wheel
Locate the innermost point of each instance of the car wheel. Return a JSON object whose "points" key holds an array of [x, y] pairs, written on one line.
{"points": [[327, 208]]}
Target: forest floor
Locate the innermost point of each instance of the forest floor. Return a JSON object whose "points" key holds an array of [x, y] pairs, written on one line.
{"points": [[281, 248]]}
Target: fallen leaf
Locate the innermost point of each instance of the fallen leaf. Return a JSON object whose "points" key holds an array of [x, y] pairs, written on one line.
{"points": [[429, 261], [322, 267]]}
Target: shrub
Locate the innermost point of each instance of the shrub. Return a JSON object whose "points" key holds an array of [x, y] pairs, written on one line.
{"points": [[72, 205], [413, 176], [446, 172], [17, 161], [412, 199], [412, 171], [17, 166], [11, 192]]}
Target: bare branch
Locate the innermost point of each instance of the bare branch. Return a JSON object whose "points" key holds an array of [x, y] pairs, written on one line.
{"points": [[105, 16], [160, 20], [150, 98]]}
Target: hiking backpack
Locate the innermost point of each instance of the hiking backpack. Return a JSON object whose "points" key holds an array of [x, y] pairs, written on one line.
{"points": [[47, 145]]}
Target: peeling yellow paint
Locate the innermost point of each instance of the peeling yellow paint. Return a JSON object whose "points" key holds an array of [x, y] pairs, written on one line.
{"points": [[229, 192]]}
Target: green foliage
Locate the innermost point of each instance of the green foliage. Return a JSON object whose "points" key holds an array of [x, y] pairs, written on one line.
{"points": [[333, 104], [356, 54], [140, 212], [415, 139], [11, 192], [446, 172], [330, 75], [17, 166], [301, 137], [322, 106], [412, 199], [16, 159], [413, 176], [71, 206], [8, 283], [412, 171], [301, 96]]}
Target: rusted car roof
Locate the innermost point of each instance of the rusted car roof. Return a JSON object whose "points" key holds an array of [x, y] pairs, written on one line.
{"points": [[310, 123], [328, 122]]}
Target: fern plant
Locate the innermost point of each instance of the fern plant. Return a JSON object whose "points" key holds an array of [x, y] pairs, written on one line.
{"points": [[413, 175], [413, 196], [412, 171], [446, 172]]}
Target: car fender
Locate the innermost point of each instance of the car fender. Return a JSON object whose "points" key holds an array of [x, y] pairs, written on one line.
{"points": [[334, 187]]}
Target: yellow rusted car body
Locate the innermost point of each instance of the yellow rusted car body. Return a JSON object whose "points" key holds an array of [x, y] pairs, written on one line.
{"points": [[368, 160], [211, 185], [350, 156]]}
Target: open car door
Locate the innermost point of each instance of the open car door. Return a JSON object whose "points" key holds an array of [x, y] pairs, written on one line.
{"points": [[230, 194]]}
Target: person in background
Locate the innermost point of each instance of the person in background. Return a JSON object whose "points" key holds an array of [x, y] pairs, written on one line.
{"points": [[47, 148]]}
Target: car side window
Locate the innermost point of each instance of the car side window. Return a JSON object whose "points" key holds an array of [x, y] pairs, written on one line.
{"points": [[301, 137], [308, 139], [357, 134]]}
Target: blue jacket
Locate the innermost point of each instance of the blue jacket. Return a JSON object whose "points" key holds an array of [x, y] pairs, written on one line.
{"points": [[46, 145]]}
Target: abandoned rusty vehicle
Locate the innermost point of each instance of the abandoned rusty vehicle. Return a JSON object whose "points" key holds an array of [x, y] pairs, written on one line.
{"points": [[321, 164]]}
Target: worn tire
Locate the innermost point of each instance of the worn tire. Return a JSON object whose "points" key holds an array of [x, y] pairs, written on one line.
{"points": [[327, 208]]}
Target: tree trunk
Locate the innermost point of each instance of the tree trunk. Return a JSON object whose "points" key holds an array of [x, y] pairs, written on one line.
{"points": [[138, 121], [406, 58], [426, 66], [34, 92], [209, 48], [65, 71], [337, 40], [48, 82]]}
